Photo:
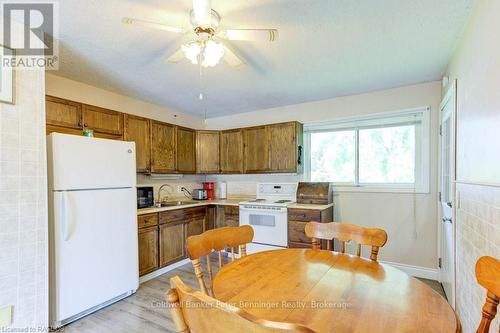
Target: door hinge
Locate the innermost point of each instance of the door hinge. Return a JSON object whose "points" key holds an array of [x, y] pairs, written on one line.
{"points": [[439, 196], [440, 263], [441, 130]]}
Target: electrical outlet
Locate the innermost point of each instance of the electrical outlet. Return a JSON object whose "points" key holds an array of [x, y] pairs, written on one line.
{"points": [[6, 316], [179, 188]]}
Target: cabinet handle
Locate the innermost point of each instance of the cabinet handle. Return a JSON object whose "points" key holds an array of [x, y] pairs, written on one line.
{"points": [[299, 159]]}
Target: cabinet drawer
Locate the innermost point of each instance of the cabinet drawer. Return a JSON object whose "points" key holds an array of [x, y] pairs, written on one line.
{"points": [[304, 215], [232, 210], [172, 215], [196, 212], [147, 220], [296, 232]]}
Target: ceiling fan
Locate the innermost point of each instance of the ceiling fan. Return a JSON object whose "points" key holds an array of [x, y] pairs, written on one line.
{"points": [[208, 43]]}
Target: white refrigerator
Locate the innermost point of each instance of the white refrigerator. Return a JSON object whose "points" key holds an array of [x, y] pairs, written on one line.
{"points": [[93, 224]]}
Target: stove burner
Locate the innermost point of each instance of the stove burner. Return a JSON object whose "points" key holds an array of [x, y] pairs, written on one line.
{"points": [[257, 200], [283, 201]]}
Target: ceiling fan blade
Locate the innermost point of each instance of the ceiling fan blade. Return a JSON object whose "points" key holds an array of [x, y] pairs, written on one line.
{"points": [[202, 11], [260, 35], [176, 57], [152, 25], [231, 58]]}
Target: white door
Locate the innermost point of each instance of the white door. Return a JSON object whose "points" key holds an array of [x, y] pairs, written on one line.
{"points": [[95, 255], [447, 193]]}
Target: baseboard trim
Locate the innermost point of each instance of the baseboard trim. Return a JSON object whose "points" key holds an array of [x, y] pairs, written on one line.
{"points": [[163, 270], [416, 271]]}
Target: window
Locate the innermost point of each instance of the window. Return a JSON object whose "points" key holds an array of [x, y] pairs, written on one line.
{"points": [[386, 152]]}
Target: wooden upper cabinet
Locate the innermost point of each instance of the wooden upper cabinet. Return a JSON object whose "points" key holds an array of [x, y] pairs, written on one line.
{"points": [[285, 147], [103, 120], [207, 152], [256, 149], [163, 147], [231, 151], [186, 151], [136, 129], [61, 112]]}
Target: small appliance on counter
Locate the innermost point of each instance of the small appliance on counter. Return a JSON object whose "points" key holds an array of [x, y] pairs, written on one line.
{"points": [[199, 194], [210, 188], [222, 190], [314, 193], [145, 197]]}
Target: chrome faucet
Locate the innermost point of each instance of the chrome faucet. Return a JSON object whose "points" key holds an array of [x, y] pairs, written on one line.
{"points": [[158, 198]]}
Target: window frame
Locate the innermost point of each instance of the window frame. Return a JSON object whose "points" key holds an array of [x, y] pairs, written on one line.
{"points": [[380, 120]]}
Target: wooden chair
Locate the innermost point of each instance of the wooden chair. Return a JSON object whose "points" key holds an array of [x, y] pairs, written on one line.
{"points": [[488, 276], [193, 311], [217, 240], [345, 232]]}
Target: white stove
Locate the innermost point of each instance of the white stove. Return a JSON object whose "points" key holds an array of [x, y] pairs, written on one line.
{"points": [[267, 215]]}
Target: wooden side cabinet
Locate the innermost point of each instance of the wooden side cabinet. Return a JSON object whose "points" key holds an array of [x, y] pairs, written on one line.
{"points": [[163, 147], [207, 152], [231, 151], [297, 220], [137, 129], [186, 151], [285, 147]]}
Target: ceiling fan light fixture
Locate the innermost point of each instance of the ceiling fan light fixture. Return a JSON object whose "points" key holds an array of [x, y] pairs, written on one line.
{"points": [[192, 51], [211, 52]]}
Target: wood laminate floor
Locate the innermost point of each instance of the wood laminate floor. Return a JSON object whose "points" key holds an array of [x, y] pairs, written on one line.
{"points": [[146, 310]]}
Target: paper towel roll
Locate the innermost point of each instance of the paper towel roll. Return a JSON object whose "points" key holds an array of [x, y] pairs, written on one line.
{"points": [[222, 190]]}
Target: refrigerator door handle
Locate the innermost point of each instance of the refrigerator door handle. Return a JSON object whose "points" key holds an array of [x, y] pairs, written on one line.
{"points": [[65, 216]]}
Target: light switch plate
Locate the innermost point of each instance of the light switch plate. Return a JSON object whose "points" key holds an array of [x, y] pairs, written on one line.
{"points": [[6, 316]]}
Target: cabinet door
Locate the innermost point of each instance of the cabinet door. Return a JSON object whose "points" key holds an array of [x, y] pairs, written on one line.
{"points": [[186, 153], [103, 120], [163, 147], [196, 227], [256, 149], [171, 242], [283, 147], [148, 250], [207, 152], [137, 129], [231, 151], [60, 112]]}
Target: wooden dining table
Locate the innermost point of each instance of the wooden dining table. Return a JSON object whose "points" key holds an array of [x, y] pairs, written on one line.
{"points": [[333, 292]]}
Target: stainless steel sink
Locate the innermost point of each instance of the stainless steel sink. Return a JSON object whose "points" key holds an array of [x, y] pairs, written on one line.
{"points": [[173, 203]]}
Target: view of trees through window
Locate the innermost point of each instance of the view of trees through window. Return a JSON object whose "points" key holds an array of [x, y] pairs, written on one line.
{"points": [[386, 155]]}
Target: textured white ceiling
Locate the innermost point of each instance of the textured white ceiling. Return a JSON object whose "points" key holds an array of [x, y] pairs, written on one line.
{"points": [[326, 48]]}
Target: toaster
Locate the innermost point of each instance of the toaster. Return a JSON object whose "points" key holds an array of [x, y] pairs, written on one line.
{"points": [[199, 194]]}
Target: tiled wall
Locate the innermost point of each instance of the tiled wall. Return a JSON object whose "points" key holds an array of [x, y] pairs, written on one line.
{"points": [[478, 234], [23, 203]]}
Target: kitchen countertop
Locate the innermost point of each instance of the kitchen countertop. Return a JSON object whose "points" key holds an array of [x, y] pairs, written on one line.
{"points": [[221, 202], [310, 206], [193, 203]]}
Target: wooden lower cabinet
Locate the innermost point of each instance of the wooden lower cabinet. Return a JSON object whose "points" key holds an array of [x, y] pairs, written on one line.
{"points": [[297, 220], [227, 216], [196, 227], [148, 250], [172, 242]]}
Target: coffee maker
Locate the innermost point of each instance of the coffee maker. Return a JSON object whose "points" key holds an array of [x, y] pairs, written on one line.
{"points": [[210, 188]]}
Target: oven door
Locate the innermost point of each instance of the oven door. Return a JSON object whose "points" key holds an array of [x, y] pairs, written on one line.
{"points": [[270, 224]]}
